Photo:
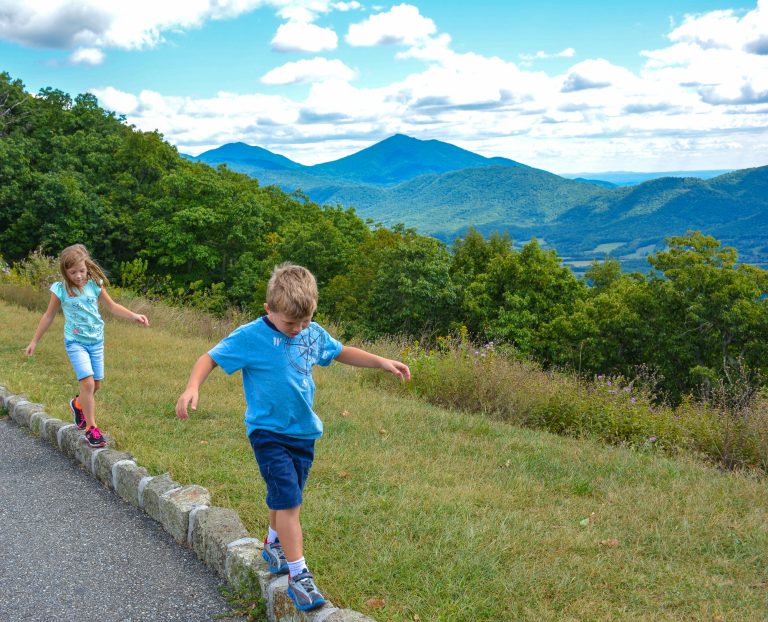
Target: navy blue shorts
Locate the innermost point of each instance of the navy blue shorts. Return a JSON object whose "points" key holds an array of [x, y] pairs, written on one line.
{"points": [[284, 462]]}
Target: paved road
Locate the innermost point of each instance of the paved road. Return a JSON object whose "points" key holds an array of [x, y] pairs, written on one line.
{"points": [[70, 550]]}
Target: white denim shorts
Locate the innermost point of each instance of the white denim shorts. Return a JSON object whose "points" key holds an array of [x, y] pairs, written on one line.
{"points": [[87, 358]]}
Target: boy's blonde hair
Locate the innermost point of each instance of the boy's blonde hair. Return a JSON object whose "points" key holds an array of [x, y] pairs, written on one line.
{"points": [[75, 254], [292, 290]]}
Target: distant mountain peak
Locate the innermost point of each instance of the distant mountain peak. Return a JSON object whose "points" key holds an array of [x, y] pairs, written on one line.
{"points": [[404, 137], [400, 158], [240, 152]]}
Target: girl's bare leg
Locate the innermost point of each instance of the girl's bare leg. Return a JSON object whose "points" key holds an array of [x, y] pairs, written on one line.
{"points": [[88, 387]]}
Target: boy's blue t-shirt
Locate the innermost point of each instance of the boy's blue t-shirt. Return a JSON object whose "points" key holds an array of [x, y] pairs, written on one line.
{"points": [[82, 320], [277, 374]]}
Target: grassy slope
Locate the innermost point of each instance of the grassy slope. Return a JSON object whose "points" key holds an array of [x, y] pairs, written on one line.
{"points": [[442, 514]]}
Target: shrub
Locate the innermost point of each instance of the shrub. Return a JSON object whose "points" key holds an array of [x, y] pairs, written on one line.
{"points": [[37, 270]]}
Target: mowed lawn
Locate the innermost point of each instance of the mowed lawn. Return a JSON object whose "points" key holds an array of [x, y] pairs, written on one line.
{"points": [[436, 515]]}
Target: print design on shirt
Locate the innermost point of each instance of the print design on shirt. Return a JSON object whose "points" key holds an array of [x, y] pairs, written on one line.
{"points": [[80, 315], [304, 349]]}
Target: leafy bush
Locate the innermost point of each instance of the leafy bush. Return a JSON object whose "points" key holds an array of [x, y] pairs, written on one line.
{"points": [[37, 270]]}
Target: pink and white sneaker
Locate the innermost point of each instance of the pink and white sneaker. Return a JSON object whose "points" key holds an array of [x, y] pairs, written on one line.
{"points": [[95, 438]]}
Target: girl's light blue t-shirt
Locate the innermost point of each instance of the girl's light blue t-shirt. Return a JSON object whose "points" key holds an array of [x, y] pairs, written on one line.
{"points": [[277, 375], [82, 321]]}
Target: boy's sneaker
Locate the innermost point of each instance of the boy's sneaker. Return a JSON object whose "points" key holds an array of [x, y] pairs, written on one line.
{"points": [[274, 556], [304, 592], [78, 413], [95, 438]]}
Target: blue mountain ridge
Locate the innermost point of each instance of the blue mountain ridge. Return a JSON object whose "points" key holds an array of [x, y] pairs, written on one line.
{"points": [[442, 190], [386, 163], [400, 158], [247, 154]]}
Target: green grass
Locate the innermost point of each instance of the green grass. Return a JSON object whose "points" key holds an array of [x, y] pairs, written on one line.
{"points": [[445, 515]]}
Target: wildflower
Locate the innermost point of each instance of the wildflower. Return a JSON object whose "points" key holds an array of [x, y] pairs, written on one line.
{"points": [[633, 400], [652, 439], [627, 389], [600, 377]]}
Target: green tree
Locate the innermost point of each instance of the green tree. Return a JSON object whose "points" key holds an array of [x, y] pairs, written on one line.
{"points": [[712, 310], [518, 295]]}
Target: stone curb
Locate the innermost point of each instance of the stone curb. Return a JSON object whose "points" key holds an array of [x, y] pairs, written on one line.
{"points": [[217, 535]]}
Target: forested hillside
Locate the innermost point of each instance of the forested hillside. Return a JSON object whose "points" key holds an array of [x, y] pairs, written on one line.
{"points": [[166, 226], [442, 190]]}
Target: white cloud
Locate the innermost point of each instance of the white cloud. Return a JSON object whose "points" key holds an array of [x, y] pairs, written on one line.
{"points": [[67, 24], [90, 56], [313, 70], [566, 53], [346, 6], [726, 30], [188, 122], [596, 74], [432, 49], [402, 24], [717, 29], [118, 101], [721, 57], [304, 37], [299, 13], [694, 104]]}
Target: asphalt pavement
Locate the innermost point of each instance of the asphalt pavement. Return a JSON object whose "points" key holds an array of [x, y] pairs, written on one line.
{"points": [[71, 550]]}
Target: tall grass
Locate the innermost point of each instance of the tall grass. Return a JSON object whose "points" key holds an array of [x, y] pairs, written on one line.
{"points": [[437, 514], [26, 283], [730, 427]]}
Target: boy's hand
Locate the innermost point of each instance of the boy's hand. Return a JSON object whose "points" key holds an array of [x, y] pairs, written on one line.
{"points": [[188, 398], [141, 319], [30, 349], [350, 355], [397, 368]]}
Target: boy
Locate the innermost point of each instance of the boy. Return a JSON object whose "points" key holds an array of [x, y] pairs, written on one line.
{"points": [[276, 354]]}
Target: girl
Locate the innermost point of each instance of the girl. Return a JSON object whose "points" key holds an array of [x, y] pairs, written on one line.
{"points": [[78, 295]]}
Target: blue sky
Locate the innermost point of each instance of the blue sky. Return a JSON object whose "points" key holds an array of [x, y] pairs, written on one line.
{"points": [[564, 86]]}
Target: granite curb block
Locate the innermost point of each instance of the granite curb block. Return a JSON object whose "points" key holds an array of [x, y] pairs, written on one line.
{"points": [[127, 475], [155, 489], [217, 535]]}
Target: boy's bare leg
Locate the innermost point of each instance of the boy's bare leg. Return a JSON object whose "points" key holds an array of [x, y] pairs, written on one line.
{"points": [[286, 524], [88, 386]]}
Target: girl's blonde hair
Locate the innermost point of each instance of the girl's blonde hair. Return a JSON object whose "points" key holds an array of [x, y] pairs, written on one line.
{"points": [[75, 254]]}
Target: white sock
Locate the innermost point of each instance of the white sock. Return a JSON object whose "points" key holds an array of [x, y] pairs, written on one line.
{"points": [[296, 567], [271, 536]]}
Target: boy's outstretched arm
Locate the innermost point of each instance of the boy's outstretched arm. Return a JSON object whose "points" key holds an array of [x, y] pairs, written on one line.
{"points": [[361, 358], [200, 371]]}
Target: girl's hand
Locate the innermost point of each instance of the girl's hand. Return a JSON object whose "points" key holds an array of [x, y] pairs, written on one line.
{"points": [[30, 349], [141, 319]]}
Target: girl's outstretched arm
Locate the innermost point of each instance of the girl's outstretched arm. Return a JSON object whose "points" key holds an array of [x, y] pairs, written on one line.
{"points": [[53, 308], [361, 358], [119, 310]]}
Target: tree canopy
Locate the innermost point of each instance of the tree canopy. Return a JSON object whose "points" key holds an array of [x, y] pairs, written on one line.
{"points": [[73, 172]]}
